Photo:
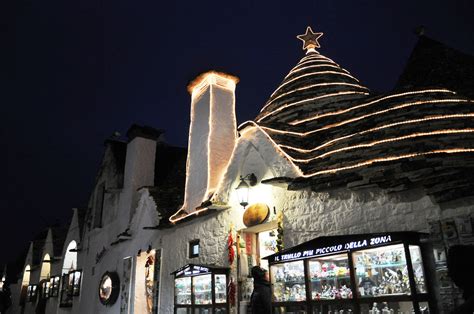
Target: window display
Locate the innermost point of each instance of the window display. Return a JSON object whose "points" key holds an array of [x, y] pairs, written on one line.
{"points": [[366, 273], [54, 286], [381, 271], [66, 296], [220, 288], [330, 278], [288, 282], [45, 287], [31, 293], [182, 288], [200, 289]]}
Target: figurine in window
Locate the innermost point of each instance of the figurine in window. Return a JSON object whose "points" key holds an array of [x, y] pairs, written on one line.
{"points": [[261, 299], [366, 285]]}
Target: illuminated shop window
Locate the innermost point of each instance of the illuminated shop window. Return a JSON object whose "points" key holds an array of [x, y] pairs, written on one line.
{"points": [[54, 286], [194, 248], [70, 287], [31, 293]]}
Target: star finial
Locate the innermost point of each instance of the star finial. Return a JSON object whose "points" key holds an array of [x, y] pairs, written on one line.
{"points": [[310, 39]]}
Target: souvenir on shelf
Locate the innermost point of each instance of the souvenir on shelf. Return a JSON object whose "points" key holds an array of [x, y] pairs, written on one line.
{"points": [[202, 287], [220, 283], [182, 288], [289, 282], [330, 278], [381, 271]]}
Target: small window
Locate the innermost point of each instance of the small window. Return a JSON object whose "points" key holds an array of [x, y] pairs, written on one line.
{"points": [[193, 248]]}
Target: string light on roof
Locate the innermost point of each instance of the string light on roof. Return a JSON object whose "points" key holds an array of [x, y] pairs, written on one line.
{"points": [[414, 121], [310, 39]]}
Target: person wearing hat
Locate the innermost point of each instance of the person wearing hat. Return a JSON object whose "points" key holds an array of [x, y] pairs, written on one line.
{"points": [[261, 299]]}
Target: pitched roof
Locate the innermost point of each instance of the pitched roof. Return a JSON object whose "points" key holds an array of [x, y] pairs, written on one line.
{"points": [[434, 64], [340, 136], [170, 174]]}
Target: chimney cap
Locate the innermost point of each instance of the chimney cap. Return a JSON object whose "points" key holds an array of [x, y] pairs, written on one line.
{"points": [[144, 131], [201, 77]]}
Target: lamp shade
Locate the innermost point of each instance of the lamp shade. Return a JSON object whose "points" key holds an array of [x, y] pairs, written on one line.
{"points": [[243, 192]]}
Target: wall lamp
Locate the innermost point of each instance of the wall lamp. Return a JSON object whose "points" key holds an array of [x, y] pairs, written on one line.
{"points": [[243, 188]]}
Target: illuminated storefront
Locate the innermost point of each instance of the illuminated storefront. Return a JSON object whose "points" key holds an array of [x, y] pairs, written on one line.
{"points": [[201, 289], [352, 274]]}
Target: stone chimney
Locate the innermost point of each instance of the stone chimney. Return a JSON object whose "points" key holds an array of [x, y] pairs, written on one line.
{"points": [[212, 135], [139, 163]]}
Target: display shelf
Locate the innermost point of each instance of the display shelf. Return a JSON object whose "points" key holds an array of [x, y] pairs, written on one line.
{"points": [[330, 278]]}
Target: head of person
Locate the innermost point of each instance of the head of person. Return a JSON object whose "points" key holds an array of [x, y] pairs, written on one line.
{"points": [[259, 274]]}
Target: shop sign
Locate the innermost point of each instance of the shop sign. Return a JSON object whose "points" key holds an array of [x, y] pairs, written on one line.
{"points": [[332, 248], [193, 270]]}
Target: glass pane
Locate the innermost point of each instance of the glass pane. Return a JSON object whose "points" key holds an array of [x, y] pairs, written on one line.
{"points": [[203, 311], [183, 310], [290, 309], [381, 271], [182, 290], [288, 282], [220, 283], [417, 264], [77, 283], [222, 310], [387, 307], [202, 288], [267, 246], [330, 277], [333, 308]]}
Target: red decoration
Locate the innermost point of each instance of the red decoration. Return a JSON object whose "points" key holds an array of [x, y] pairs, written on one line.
{"points": [[231, 289], [230, 247]]}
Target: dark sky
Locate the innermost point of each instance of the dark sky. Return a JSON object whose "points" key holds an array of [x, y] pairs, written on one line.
{"points": [[84, 69]]}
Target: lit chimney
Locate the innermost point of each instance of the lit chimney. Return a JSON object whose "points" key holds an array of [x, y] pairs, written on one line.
{"points": [[212, 135]]}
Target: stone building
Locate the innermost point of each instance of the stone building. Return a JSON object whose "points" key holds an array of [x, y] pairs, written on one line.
{"points": [[324, 160]]}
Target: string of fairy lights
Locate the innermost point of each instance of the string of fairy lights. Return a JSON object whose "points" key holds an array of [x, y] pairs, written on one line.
{"points": [[412, 121], [318, 115], [311, 87], [313, 66], [312, 99]]}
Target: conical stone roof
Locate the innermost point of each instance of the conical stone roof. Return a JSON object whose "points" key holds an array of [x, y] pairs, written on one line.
{"points": [[312, 84], [339, 136]]}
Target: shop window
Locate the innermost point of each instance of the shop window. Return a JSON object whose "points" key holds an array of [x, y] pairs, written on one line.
{"points": [[194, 248], [31, 293], [65, 297], [54, 286], [330, 277], [70, 287], [201, 289], [45, 289], [147, 271]]}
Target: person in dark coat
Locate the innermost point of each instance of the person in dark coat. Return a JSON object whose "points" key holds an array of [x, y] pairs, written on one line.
{"points": [[261, 300], [461, 272]]}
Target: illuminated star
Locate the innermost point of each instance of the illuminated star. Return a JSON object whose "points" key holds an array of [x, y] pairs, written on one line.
{"points": [[310, 39]]}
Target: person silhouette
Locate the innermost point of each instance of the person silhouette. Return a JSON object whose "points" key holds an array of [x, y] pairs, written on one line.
{"points": [[460, 270], [261, 299]]}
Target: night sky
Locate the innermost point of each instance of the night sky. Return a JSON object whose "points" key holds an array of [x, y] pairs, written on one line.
{"points": [[84, 69]]}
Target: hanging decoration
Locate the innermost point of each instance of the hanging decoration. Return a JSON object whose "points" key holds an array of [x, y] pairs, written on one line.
{"points": [[230, 247], [231, 290], [279, 240]]}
